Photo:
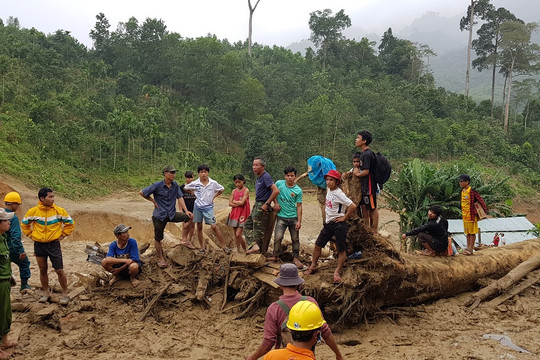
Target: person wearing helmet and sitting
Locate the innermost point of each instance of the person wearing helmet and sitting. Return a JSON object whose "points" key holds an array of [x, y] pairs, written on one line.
{"points": [[17, 253], [305, 323], [338, 209]]}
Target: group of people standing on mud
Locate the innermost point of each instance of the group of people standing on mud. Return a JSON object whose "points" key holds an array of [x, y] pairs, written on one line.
{"points": [[48, 224]]}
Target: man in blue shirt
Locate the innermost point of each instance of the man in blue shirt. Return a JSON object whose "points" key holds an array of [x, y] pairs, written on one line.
{"points": [[17, 254], [123, 257], [265, 192], [165, 193]]}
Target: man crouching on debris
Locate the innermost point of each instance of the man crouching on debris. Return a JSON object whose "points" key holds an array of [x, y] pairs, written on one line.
{"points": [[275, 322], [123, 257], [434, 235]]}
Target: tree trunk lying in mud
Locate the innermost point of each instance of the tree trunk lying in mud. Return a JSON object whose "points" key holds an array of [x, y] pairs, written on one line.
{"points": [[384, 277]]}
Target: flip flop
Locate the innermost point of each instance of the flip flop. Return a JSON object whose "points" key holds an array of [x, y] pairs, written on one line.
{"points": [[187, 244], [64, 300], [337, 278], [44, 299], [310, 271]]}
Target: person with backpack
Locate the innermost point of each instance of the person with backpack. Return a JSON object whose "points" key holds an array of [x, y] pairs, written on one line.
{"points": [[276, 332], [305, 322], [366, 172]]}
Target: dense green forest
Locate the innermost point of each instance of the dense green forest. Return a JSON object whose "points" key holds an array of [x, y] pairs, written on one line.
{"points": [[88, 121]]}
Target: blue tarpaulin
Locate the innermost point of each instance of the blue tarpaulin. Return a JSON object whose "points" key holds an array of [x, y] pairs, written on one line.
{"points": [[318, 166]]}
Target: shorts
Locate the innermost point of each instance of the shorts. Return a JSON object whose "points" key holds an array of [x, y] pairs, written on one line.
{"points": [[159, 225], [50, 250], [337, 229], [207, 215], [470, 227], [370, 201]]}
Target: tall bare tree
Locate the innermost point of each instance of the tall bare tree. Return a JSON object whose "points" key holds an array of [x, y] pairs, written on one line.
{"points": [[519, 55], [477, 8], [251, 11]]}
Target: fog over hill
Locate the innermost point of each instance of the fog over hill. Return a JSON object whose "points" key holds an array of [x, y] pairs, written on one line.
{"points": [[442, 34]]}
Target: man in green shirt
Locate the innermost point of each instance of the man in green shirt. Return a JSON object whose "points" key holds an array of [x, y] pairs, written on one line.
{"points": [[5, 286], [289, 216]]}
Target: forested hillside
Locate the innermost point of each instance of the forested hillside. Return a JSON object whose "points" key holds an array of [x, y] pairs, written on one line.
{"points": [[84, 120]]}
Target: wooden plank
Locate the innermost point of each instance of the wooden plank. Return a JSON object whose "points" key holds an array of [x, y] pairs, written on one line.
{"points": [[254, 260], [266, 278], [268, 232], [269, 270], [533, 278], [76, 292]]}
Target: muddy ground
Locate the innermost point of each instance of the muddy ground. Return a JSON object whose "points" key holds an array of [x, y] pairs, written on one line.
{"points": [[104, 323]]}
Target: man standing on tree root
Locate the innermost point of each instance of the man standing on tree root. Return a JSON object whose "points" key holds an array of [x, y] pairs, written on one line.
{"points": [[366, 172], [17, 254], [275, 329], [469, 198], [265, 192], [165, 194]]}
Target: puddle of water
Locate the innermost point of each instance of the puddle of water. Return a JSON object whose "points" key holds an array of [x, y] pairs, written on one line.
{"points": [[506, 341]]}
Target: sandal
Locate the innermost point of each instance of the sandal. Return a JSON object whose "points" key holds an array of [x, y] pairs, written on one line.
{"points": [[337, 278], [310, 271], [64, 300], [44, 299], [467, 252]]}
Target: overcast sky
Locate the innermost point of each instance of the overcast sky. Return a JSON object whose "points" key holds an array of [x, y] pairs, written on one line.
{"points": [[279, 22]]}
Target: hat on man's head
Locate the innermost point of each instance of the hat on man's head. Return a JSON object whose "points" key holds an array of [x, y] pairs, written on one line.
{"points": [[464, 177], [121, 228], [169, 168], [288, 276], [4, 215]]}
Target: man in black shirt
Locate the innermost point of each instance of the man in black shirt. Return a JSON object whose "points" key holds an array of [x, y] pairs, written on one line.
{"points": [[433, 235], [189, 199], [368, 202]]}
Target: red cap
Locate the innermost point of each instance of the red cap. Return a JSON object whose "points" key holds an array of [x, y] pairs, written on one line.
{"points": [[335, 174]]}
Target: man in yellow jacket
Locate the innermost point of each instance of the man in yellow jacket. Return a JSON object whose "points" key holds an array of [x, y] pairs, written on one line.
{"points": [[48, 224]]}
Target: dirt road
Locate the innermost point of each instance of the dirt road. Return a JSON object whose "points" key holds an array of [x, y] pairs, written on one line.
{"points": [[104, 324]]}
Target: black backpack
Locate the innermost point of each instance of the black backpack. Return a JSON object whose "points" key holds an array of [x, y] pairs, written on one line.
{"points": [[383, 169]]}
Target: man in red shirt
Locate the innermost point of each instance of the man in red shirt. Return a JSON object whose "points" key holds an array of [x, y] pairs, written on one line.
{"points": [[305, 322], [288, 281]]}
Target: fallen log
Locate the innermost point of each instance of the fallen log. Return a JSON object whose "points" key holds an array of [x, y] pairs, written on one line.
{"points": [[533, 278], [252, 260], [507, 281]]}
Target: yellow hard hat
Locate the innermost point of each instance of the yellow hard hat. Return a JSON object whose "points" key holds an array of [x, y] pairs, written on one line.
{"points": [[305, 316], [13, 197]]}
